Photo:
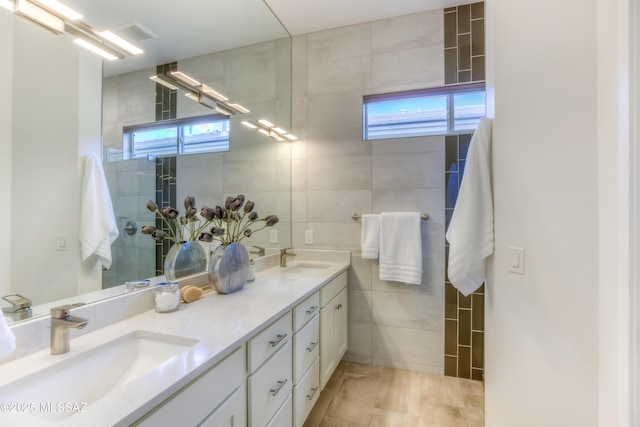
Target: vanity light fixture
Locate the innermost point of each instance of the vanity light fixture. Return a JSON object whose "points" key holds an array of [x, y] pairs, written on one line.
{"points": [[119, 41], [59, 18], [39, 16], [7, 4], [60, 9]]}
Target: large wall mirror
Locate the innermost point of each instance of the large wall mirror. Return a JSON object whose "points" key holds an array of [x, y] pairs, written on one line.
{"points": [[66, 104]]}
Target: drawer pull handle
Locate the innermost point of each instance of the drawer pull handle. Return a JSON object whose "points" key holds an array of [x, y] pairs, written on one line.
{"points": [[281, 383], [313, 393], [278, 339], [312, 346], [312, 309]]}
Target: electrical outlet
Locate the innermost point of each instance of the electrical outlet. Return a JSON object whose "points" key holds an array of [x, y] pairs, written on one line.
{"points": [[273, 237], [308, 237]]}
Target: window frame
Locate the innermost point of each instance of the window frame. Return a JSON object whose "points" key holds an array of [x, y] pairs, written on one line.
{"points": [[449, 91], [179, 124]]}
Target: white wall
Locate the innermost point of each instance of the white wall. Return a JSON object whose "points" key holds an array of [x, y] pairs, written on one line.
{"points": [[52, 81], [553, 338], [6, 88]]}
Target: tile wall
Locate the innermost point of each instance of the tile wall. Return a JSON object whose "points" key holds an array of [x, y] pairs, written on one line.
{"points": [[335, 173]]}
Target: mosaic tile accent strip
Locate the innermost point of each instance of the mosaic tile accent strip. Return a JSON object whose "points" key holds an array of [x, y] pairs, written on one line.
{"points": [[166, 99], [165, 196], [464, 316], [166, 109], [464, 50]]}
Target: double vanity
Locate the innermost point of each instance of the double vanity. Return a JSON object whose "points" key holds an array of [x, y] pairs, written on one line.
{"points": [[258, 357]]}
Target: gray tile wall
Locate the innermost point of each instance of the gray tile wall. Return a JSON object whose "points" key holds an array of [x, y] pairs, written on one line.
{"points": [[335, 173]]}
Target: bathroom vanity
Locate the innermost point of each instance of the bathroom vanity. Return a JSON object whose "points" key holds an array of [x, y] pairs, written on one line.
{"points": [[258, 357]]}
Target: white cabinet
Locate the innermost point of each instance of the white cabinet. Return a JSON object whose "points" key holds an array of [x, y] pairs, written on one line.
{"points": [[306, 393], [200, 399], [333, 326], [232, 413]]}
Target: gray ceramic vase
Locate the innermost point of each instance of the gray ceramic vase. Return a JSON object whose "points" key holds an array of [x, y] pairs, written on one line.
{"points": [[229, 268], [184, 259]]}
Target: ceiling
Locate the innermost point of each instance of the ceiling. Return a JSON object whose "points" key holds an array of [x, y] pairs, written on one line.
{"points": [[195, 27]]}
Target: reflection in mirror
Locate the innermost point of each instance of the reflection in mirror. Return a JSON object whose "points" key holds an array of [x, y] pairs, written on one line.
{"points": [[254, 165], [50, 127]]}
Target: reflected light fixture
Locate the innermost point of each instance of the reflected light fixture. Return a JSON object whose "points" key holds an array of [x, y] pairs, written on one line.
{"points": [[95, 49], [119, 41], [60, 9], [267, 128], [184, 78], [39, 16], [158, 78], [199, 92]]}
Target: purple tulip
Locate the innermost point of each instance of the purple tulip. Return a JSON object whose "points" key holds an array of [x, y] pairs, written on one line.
{"points": [[271, 220], [205, 237], [169, 212], [248, 207], [207, 213], [189, 202], [147, 229], [151, 206]]}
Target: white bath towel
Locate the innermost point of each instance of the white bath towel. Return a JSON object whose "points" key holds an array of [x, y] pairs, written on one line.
{"points": [[98, 228], [401, 247], [7, 339], [470, 233], [370, 241]]}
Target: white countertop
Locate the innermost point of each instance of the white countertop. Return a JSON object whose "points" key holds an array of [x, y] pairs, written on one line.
{"points": [[220, 323]]}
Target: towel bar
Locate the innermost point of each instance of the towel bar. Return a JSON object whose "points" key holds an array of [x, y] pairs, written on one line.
{"points": [[423, 216]]}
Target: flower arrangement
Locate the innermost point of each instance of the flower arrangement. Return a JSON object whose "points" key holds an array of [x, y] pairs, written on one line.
{"points": [[227, 225]]}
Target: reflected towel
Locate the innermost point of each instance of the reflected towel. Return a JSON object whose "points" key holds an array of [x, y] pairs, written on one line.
{"points": [[401, 247], [470, 233], [98, 228], [370, 241], [7, 339]]}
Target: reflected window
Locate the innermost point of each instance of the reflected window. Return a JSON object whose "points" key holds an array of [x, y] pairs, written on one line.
{"points": [[436, 111], [176, 137]]}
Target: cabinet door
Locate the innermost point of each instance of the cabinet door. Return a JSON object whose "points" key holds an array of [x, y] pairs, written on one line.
{"points": [[327, 352], [341, 326], [232, 413]]}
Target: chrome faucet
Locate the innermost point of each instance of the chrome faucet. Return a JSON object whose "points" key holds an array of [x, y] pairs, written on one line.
{"points": [[283, 257], [61, 321]]}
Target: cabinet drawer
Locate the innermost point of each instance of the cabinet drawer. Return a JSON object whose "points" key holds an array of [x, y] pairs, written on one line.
{"points": [[306, 348], [284, 416], [267, 342], [270, 386], [332, 288], [304, 311], [305, 394], [199, 398]]}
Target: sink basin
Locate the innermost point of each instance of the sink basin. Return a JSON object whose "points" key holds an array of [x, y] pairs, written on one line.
{"points": [[307, 268], [96, 373]]}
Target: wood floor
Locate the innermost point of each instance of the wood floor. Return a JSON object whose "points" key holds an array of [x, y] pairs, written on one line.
{"points": [[361, 395]]}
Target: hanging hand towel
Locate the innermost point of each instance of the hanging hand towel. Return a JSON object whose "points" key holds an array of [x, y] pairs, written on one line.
{"points": [[401, 247], [470, 233], [98, 228], [370, 236], [7, 339]]}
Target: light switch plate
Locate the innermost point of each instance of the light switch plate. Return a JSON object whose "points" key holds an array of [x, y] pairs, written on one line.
{"points": [[308, 237], [273, 236], [516, 260]]}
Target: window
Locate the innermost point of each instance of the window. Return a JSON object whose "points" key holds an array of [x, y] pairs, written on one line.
{"points": [[170, 138], [437, 111]]}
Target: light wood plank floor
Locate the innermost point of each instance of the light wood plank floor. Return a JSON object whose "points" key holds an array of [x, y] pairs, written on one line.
{"points": [[361, 395]]}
